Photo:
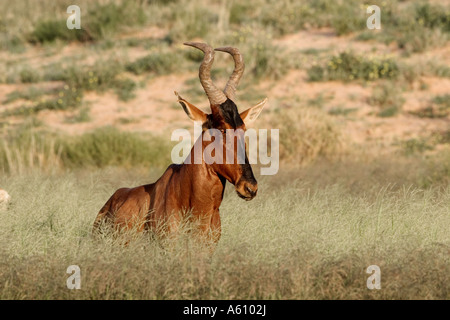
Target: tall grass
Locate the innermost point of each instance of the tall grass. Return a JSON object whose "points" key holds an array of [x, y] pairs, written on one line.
{"points": [[293, 241], [111, 147], [28, 148]]}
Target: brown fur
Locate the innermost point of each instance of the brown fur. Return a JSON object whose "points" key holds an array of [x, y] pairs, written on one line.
{"points": [[196, 189], [191, 191]]}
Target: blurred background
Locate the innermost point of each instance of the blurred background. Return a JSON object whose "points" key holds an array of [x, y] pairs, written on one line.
{"points": [[364, 119], [335, 88]]}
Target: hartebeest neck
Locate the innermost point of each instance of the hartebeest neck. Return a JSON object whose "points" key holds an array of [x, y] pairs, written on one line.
{"points": [[202, 188]]}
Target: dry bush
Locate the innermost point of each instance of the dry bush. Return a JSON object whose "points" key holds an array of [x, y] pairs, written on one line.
{"points": [[307, 134]]}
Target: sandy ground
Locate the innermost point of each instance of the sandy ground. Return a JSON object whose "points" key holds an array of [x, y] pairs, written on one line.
{"points": [[155, 109]]}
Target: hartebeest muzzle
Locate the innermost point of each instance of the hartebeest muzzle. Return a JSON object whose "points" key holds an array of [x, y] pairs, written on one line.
{"points": [[247, 189], [246, 186]]}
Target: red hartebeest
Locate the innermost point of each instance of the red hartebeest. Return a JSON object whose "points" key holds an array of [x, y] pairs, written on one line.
{"points": [[196, 187]]}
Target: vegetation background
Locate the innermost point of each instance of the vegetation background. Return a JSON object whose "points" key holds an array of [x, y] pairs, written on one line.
{"points": [[364, 119]]}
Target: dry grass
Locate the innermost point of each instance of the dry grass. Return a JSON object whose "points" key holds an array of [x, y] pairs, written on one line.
{"points": [[333, 209], [297, 240], [307, 134]]}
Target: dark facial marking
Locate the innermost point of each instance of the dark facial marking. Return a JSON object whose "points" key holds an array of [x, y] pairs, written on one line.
{"points": [[230, 114], [247, 172], [209, 124]]}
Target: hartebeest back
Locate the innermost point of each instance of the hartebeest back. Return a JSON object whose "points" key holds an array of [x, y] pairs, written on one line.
{"points": [[196, 188]]}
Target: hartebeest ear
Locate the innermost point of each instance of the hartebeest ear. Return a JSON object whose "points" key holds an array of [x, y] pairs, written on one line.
{"points": [[250, 115], [194, 113]]}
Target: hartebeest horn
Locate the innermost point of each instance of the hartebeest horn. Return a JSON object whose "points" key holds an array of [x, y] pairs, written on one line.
{"points": [[239, 66], [215, 96]]}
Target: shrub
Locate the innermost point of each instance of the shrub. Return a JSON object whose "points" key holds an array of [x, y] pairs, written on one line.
{"points": [[347, 66], [105, 20], [27, 147], [442, 101], [438, 108], [306, 135], [419, 145], [125, 89], [414, 27], [388, 98], [51, 30], [433, 16], [416, 38], [285, 17], [263, 59], [28, 75], [23, 149], [83, 115], [99, 77], [157, 62], [31, 93], [348, 17], [110, 147], [66, 98], [98, 23], [193, 21]]}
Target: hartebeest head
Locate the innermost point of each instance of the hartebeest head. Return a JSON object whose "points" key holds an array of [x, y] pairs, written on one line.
{"points": [[225, 117]]}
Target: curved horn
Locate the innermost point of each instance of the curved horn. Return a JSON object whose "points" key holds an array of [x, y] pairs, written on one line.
{"points": [[215, 96], [239, 66]]}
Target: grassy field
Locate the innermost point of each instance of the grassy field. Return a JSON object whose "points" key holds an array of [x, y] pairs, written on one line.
{"points": [[364, 120], [296, 240]]}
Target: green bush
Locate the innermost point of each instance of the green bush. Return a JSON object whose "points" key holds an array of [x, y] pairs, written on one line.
{"points": [[22, 149], [285, 17], [110, 147], [388, 98], [125, 89], [433, 16], [438, 108], [63, 99], [346, 66], [414, 27], [348, 17], [159, 63], [99, 77], [106, 20], [443, 101], [51, 30], [412, 146], [28, 75], [83, 115], [192, 21], [28, 147], [263, 58], [31, 93], [100, 22], [307, 135]]}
